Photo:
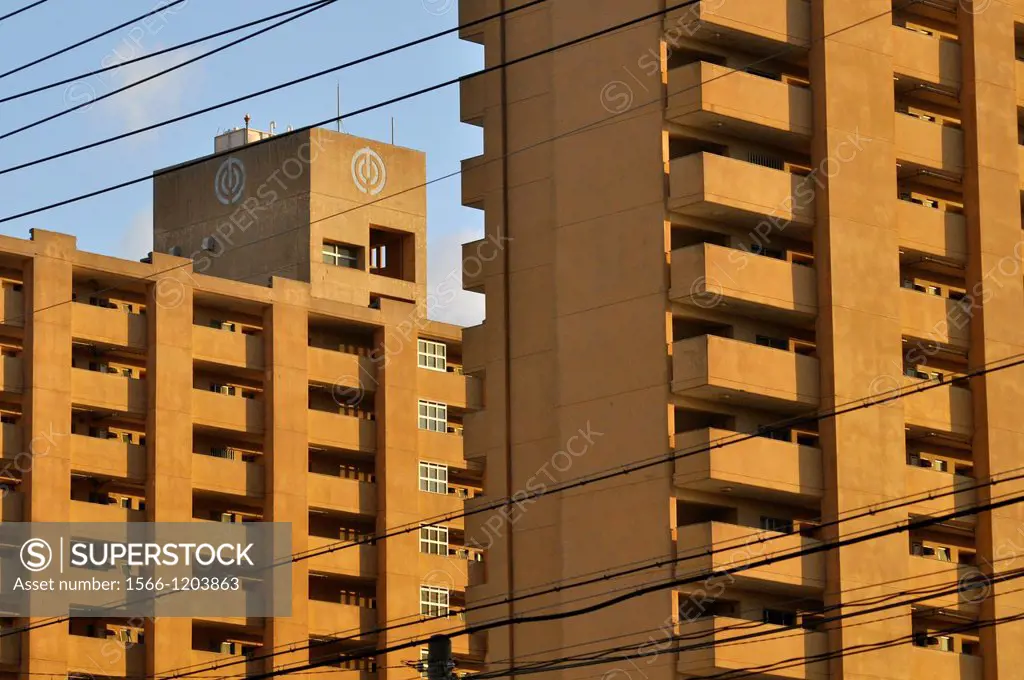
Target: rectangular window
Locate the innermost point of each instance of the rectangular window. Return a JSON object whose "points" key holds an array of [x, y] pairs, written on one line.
{"points": [[779, 618], [432, 355], [422, 665], [433, 478], [341, 256], [433, 601], [434, 540], [784, 526], [433, 416], [774, 343]]}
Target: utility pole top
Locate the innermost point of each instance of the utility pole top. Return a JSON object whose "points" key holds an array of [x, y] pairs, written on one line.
{"points": [[439, 658]]}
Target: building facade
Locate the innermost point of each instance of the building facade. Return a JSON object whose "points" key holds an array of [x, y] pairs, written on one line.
{"points": [[271, 360], [738, 212]]}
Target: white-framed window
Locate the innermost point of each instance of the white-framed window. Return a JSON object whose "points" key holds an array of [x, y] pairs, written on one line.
{"points": [[434, 540], [432, 355], [433, 416], [341, 255], [433, 601], [433, 477], [424, 658]]}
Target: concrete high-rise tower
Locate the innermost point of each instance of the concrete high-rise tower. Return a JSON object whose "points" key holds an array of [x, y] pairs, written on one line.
{"points": [[736, 213]]}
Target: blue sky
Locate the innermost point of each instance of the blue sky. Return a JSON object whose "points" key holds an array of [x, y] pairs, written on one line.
{"points": [[119, 223]]}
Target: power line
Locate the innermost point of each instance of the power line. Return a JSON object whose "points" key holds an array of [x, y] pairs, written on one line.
{"points": [[266, 90], [204, 55], [910, 525], [606, 577], [64, 50], [602, 656], [150, 55], [365, 109], [23, 9]]}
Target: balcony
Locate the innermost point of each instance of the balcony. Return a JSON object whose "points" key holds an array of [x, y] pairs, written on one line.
{"points": [[724, 189], [225, 412], [12, 507], [929, 145], [12, 302], [931, 663], [105, 656], [934, 319], [328, 367], [952, 580], [744, 104], [105, 326], [327, 492], [82, 511], [226, 476], [473, 95], [214, 660], [473, 266], [438, 504], [357, 560], [108, 458], [10, 442], [441, 447], [227, 348], [777, 290], [470, 12], [926, 58], [932, 232], [108, 392], [12, 378], [10, 651], [342, 432], [718, 657], [924, 482], [476, 348], [327, 618], [747, 24], [803, 575], [1019, 66], [945, 409], [714, 368], [474, 182], [447, 387], [761, 468]]}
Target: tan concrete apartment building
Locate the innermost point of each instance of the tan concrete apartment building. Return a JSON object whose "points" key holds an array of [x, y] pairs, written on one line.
{"points": [[271, 360], [735, 213]]}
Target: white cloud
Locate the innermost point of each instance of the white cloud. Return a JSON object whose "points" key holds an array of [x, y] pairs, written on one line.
{"points": [[451, 304], [136, 239], [151, 101]]}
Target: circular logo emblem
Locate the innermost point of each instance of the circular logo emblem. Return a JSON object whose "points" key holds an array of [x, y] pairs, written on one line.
{"points": [[229, 182], [36, 554], [368, 171]]}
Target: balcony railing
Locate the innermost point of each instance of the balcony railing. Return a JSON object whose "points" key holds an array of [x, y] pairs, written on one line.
{"points": [[758, 467], [708, 275], [722, 369], [710, 186]]}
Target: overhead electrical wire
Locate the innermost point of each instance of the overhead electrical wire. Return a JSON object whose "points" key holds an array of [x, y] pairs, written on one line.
{"points": [[22, 9], [157, 53], [267, 90], [64, 50], [169, 69]]}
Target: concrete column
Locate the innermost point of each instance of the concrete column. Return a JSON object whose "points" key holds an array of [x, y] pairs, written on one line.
{"points": [[994, 284], [169, 435], [286, 453], [859, 334], [47, 413], [398, 572]]}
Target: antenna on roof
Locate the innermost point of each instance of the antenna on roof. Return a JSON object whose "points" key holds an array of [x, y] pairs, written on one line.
{"points": [[340, 128]]}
